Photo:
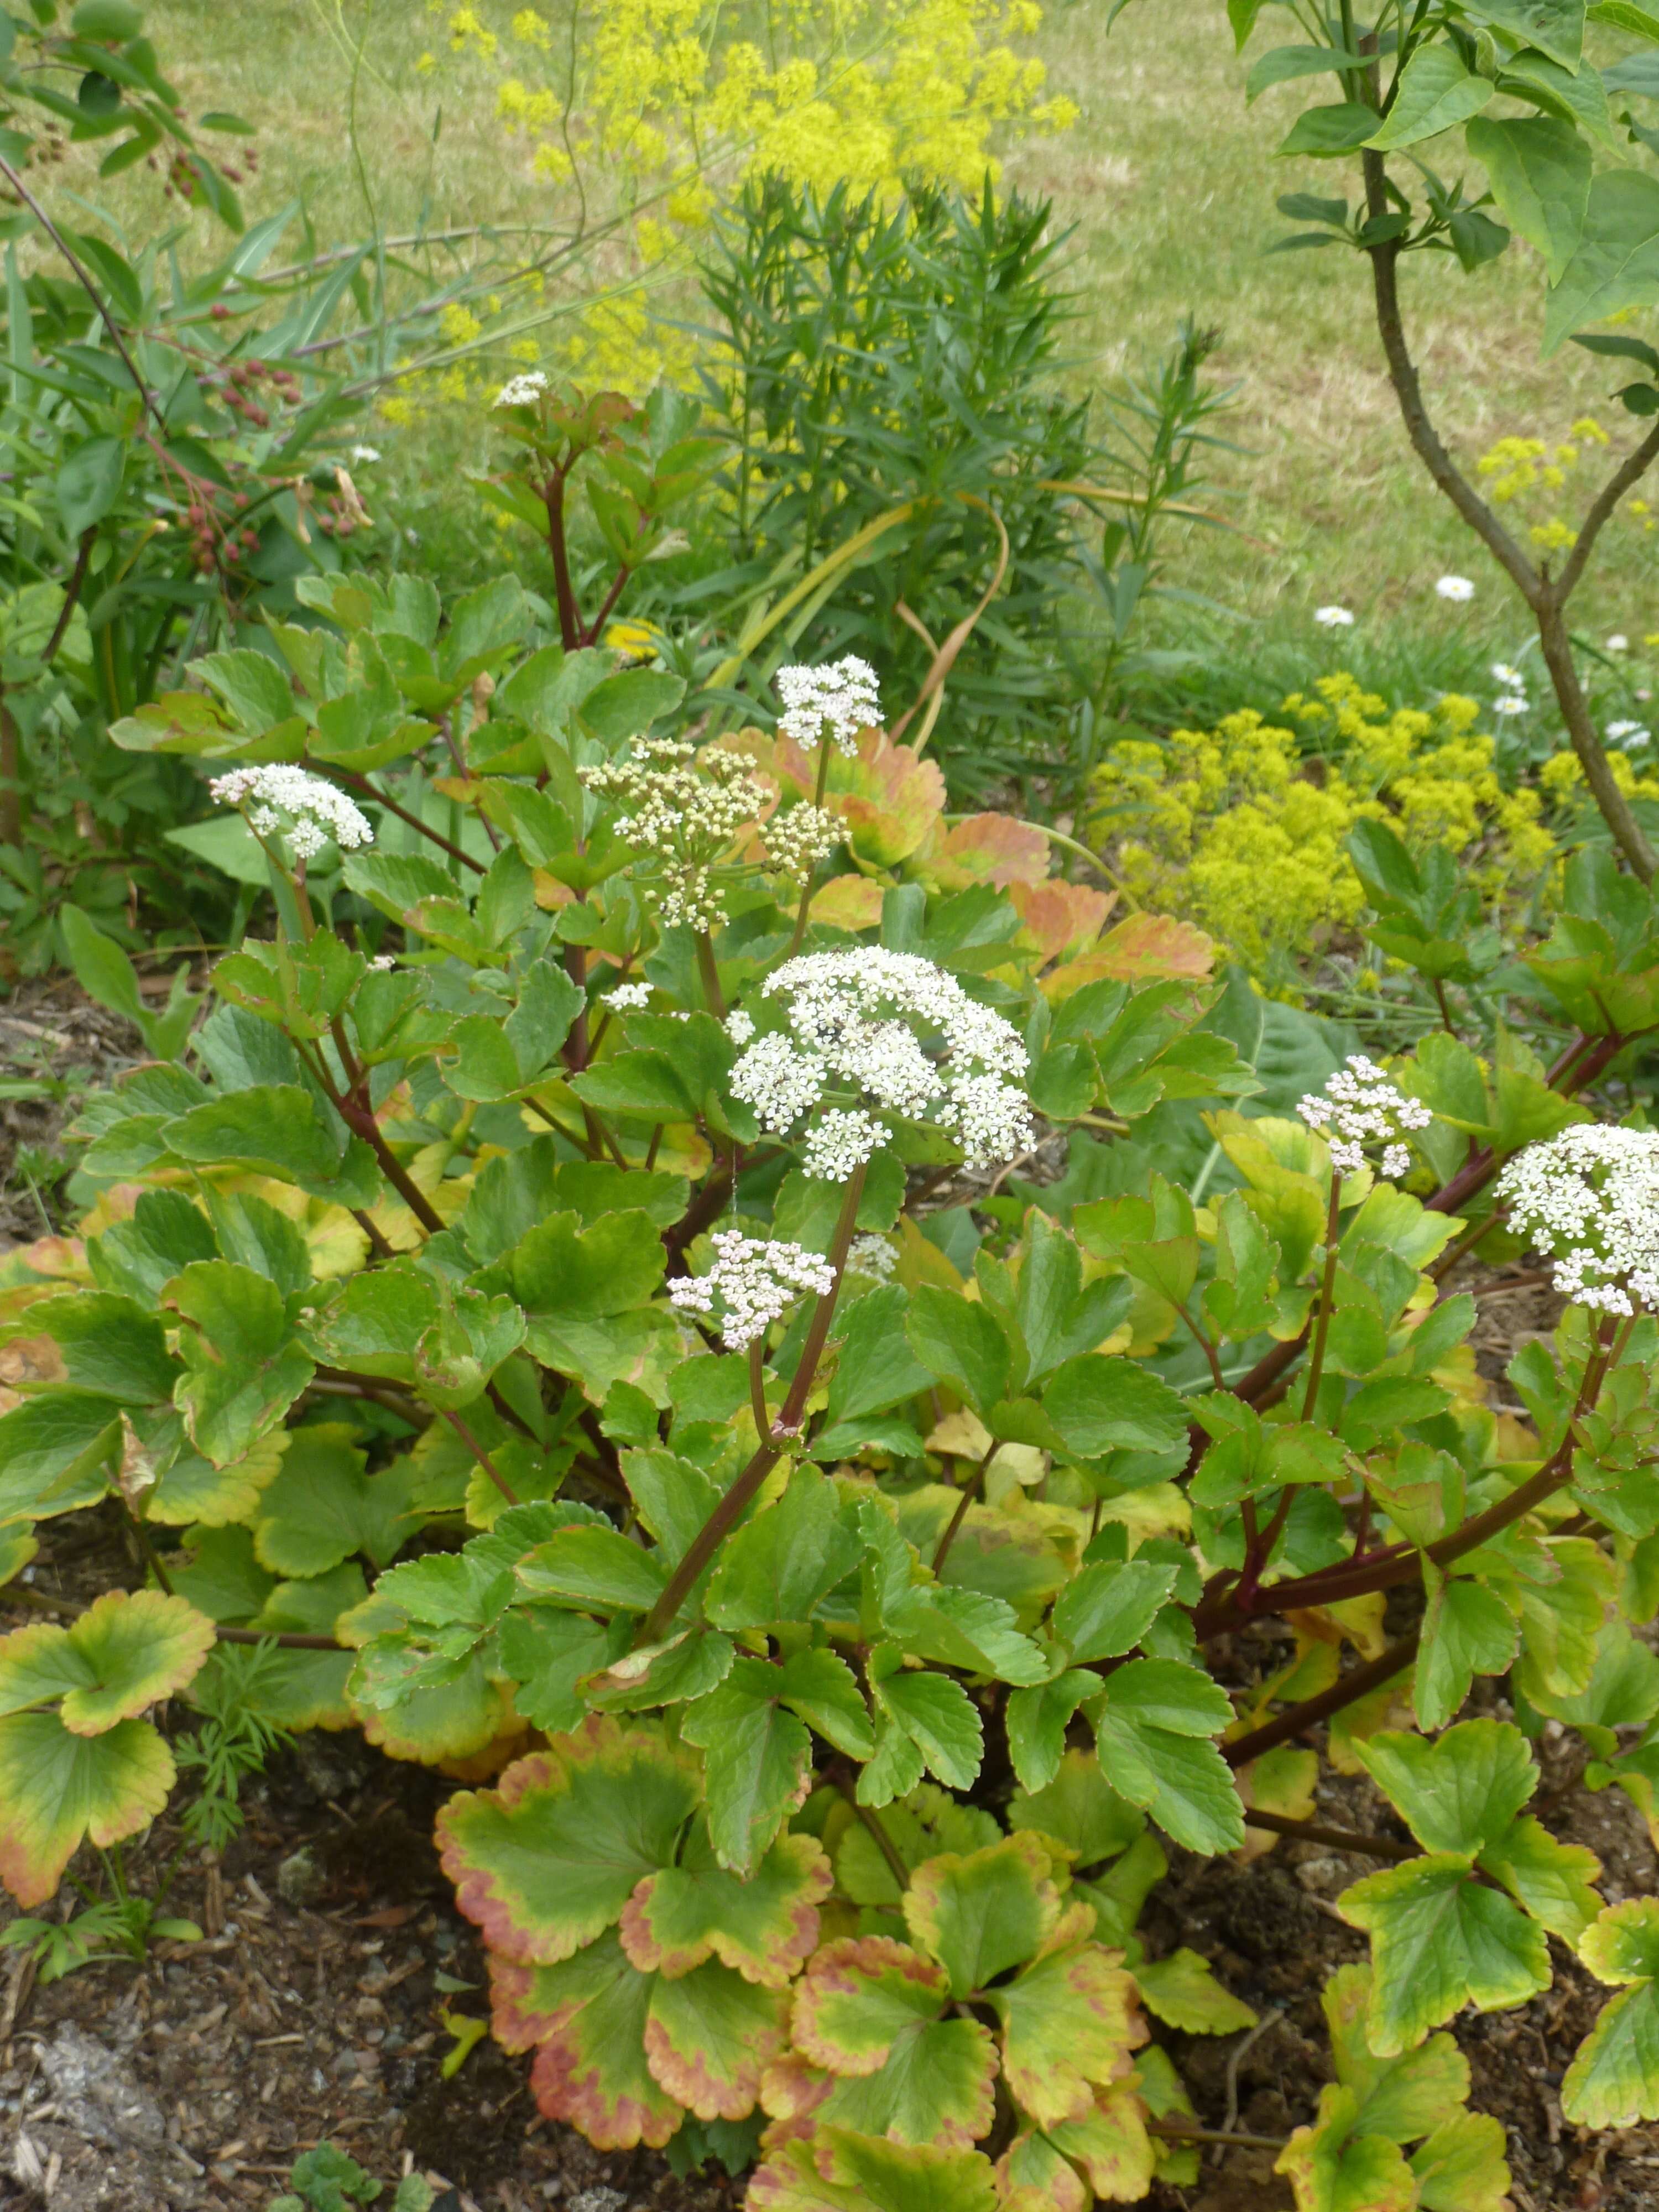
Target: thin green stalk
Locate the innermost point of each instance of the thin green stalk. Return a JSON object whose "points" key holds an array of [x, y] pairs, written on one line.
{"points": [[1321, 1330], [726, 1515], [970, 1490]]}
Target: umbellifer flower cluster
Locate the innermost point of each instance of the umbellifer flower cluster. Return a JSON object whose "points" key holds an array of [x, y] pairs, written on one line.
{"points": [[1358, 1107], [523, 390], [1589, 1199], [853, 1021], [845, 695], [684, 809], [287, 802], [796, 841], [752, 1284], [628, 997]]}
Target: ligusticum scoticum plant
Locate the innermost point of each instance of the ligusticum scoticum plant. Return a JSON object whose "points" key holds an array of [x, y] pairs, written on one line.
{"points": [[616, 1354]]}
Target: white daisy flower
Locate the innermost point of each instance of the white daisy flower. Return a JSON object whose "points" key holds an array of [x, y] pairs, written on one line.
{"points": [[1333, 617], [1458, 589]]}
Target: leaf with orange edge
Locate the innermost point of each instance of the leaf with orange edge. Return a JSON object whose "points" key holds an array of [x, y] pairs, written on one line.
{"points": [[1058, 917], [125, 1653], [1110, 2145], [586, 2018], [547, 1860], [619, 2051], [844, 2172], [889, 797], [1032, 2176], [980, 1913], [1143, 948], [850, 903], [765, 1928], [709, 2036], [1069, 2023], [1281, 1781], [997, 849], [56, 1787], [857, 1995]]}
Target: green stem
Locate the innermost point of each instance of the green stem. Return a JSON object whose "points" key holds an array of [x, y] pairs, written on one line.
{"points": [[726, 1515], [970, 1490], [481, 1455]]}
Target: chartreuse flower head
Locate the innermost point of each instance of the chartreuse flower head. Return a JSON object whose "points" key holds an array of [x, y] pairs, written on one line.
{"points": [[1359, 1107], [1589, 1199], [873, 1032]]}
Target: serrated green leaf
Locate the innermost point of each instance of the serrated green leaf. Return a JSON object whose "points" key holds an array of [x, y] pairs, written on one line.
{"points": [[126, 1652], [778, 1566], [56, 1788], [1069, 2022], [1079, 1808], [244, 1368], [1460, 1793], [1614, 2080], [757, 1760], [1333, 2169], [1104, 1611], [1181, 1989], [322, 1507], [546, 1860], [1439, 1941], [980, 1914], [765, 1927]]}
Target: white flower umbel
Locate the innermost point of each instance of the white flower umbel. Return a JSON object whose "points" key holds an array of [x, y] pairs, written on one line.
{"points": [[683, 809], [739, 1026], [522, 391], [798, 839], [1589, 1200], [872, 1255], [282, 800], [751, 1283], [1458, 589], [845, 696], [628, 997], [1332, 617], [889, 1031], [1358, 1107]]}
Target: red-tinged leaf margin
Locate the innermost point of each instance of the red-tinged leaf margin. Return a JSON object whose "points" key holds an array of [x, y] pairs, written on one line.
{"points": [[835, 1970], [709, 2037], [796, 1866]]}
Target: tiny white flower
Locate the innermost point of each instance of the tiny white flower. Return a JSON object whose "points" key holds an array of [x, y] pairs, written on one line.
{"points": [[382, 963], [845, 695], [1333, 617], [521, 390], [1511, 706], [754, 1283], [1589, 1199], [1511, 678], [628, 997], [1631, 735], [872, 1255], [363, 457], [850, 1019], [305, 809], [1458, 589], [1360, 1106], [739, 1026], [1618, 642]]}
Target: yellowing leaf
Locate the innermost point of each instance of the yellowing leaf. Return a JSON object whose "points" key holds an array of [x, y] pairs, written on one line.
{"points": [[55, 1787], [124, 1654]]}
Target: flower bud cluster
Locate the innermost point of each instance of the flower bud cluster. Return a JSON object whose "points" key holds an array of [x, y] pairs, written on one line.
{"points": [[628, 997], [751, 1283], [796, 841], [1589, 1199], [684, 809], [1358, 1107], [854, 1019], [845, 695], [287, 802]]}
